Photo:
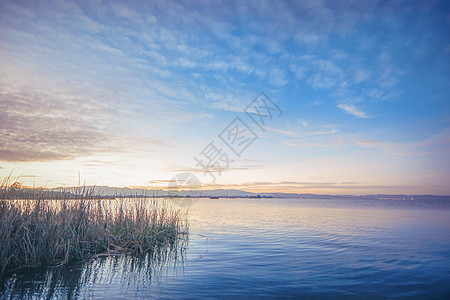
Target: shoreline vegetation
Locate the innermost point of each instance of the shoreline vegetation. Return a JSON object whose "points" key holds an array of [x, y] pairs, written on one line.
{"points": [[42, 230]]}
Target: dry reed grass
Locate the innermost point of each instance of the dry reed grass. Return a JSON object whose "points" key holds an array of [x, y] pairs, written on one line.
{"points": [[42, 232]]}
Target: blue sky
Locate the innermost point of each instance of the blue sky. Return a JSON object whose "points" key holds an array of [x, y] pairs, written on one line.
{"points": [[128, 93]]}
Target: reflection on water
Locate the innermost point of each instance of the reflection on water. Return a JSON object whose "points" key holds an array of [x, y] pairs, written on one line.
{"points": [[92, 278], [276, 247]]}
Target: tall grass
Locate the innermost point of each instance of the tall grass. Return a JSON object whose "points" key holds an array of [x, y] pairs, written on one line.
{"points": [[38, 232]]}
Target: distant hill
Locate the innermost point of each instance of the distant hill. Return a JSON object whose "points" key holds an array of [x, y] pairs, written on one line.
{"points": [[19, 192], [233, 193]]}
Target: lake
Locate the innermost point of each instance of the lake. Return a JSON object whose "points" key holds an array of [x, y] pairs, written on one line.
{"points": [[286, 248]]}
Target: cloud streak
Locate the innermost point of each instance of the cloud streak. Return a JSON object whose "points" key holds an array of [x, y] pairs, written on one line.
{"points": [[37, 126], [305, 187], [351, 109]]}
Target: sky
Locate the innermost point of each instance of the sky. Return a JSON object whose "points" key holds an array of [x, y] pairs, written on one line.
{"points": [[354, 96]]}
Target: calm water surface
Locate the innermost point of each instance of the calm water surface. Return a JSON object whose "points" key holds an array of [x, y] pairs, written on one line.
{"points": [[276, 248]]}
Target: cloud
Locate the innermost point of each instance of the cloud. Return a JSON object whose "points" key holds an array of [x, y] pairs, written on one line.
{"points": [[121, 43], [413, 153], [302, 186], [351, 109], [278, 77], [285, 132], [304, 134], [371, 143], [231, 167], [228, 100], [38, 126], [304, 144], [324, 74], [361, 75], [332, 131], [42, 122], [303, 122]]}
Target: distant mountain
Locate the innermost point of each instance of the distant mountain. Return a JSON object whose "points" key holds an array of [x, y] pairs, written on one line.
{"points": [[227, 193], [113, 191]]}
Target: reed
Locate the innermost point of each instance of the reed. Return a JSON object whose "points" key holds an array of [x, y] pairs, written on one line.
{"points": [[52, 232]]}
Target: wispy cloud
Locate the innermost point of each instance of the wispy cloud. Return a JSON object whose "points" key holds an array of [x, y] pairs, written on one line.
{"points": [[54, 123], [278, 77], [305, 144], [351, 109], [305, 186], [331, 131], [38, 126], [371, 143], [413, 153], [282, 131], [232, 167], [303, 122]]}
